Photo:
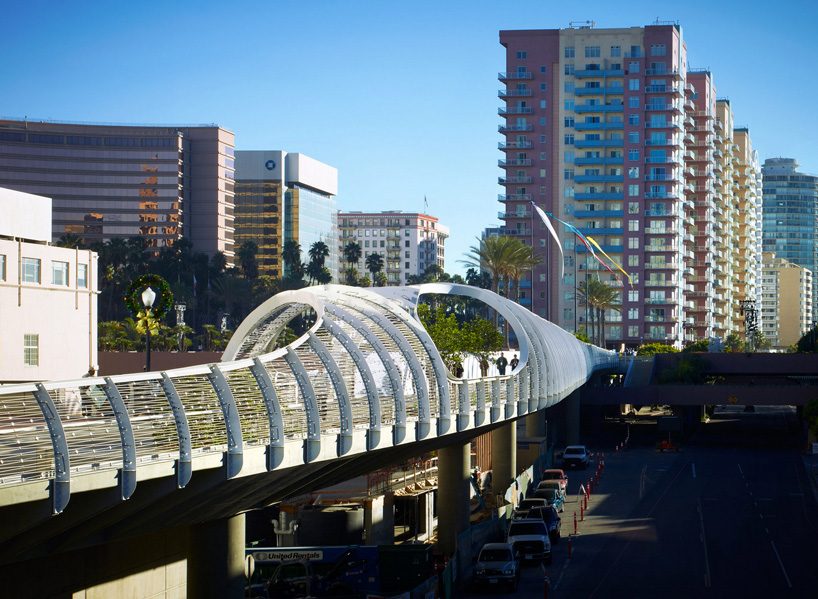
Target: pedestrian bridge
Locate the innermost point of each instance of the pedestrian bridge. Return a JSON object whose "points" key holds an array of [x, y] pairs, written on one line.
{"points": [[366, 381]]}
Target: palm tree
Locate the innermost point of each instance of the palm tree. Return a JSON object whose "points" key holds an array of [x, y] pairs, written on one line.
{"points": [[521, 259], [291, 254], [352, 254], [374, 264], [318, 252], [247, 255], [599, 297], [70, 240], [492, 255]]}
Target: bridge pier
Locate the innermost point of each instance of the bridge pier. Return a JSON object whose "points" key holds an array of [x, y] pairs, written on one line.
{"points": [[215, 563], [503, 456], [452, 495], [535, 424], [572, 406]]}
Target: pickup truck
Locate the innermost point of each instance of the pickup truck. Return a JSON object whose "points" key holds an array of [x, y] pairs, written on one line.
{"points": [[530, 539]]}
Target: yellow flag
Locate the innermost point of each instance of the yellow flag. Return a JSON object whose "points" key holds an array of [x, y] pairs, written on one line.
{"points": [[614, 262]]}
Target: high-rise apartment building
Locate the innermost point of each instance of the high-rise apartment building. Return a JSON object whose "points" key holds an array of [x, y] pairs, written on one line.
{"points": [[791, 216], [786, 301], [119, 181], [409, 242], [281, 197], [608, 130]]}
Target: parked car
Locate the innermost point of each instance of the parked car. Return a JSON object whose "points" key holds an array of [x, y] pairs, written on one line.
{"points": [[553, 497], [498, 563], [552, 520], [552, 484], [531, 502], [530, 539], [556, 474], [576, 456]]}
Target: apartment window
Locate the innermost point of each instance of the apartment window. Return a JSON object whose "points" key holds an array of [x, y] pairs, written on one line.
{"points": [[568, 121], [59, 273], [568, 87], [541, 121], [633, 68], [522, 55], [633, 102], [2, 267], [658, 50], [31, 270], [569, 52], [633, 85], [366, 243], [31, 350], [543, 104], [569, 105], [636, 51], [568, 69], [633, 331], [616, 51], [542, 155], [569, 139], [406, 232], [542, 139], [542, 69], [543, 87], [568, 174], [633, 260], [633, 137], [406, 265], [633, 172], [633, 295], [568, 156], [592, 52], [406, 243], [633, 225], [542, 173], [633, 154], [633, 243], [633, 119]]}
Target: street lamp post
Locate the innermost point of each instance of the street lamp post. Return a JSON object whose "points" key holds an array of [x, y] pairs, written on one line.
{"points": [[148, 297], [180, 323]]}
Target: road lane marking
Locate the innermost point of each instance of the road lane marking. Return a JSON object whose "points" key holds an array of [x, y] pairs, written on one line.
{"points": [[642, 481], [693, 466], [740, 470], [780, 563], [704, 545]]}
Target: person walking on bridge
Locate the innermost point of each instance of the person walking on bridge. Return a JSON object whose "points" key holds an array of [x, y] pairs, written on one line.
{"points": [[514, 362], [501, 364]]}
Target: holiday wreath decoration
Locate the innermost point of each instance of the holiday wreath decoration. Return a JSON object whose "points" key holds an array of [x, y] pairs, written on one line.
{"points": [[164, 296]]}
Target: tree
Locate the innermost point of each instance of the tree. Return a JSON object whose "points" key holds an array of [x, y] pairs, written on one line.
{"points": [[291, 254], [352, 254], [808, 343], [445, 333], [248, 258], [380, 280], [482, 338], [599, 297], [582, 335], [700, 345], [733, 343], [651, 349], [374, 264], [477, 278], [70, 240], [318, 252]]}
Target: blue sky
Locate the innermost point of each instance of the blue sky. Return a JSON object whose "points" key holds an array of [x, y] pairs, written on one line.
{"points": [[400, 97]]}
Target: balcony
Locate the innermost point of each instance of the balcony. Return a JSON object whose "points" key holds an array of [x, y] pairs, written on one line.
{"points": [[599, 126], [661, 107], [668, 141], [663, 89], [661, 283], [660, 248], [663, 125], [599, 143], [600, 196], [515, 93], [662, 301], [661, 177], [514, 197], [510, 215], [599, 213], [596, 73], [511, 180], [599, 231], [661, 214], [514, 145], [515, 127], [662, 160], [599, 178], [662, 265], [518, 76], [513, 110], [514, 162], [582, 108], [610, 249], [661, 231], [599, 91], [597, 160], [663, 73], [661, 195]]}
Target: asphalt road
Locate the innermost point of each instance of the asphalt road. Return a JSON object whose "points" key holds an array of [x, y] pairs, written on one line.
{"points": [[730, 515]]}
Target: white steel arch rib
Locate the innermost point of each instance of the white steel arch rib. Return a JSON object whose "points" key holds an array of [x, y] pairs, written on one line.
{"points": [[176, 422]]}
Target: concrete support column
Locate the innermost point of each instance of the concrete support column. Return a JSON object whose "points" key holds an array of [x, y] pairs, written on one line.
{"points": [[379, 519], [215, 563], [452, 495], [535, 424], [503, 457], [572, 418]]}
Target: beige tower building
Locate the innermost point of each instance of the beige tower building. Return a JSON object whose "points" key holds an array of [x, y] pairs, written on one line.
{"points": [[786, 301]]}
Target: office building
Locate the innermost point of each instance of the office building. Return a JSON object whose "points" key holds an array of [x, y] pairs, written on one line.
{"points": [[786, 301], [282, 196], [608, 130], [48, 297], [790, 229], [120, 181], [409, 242]]}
